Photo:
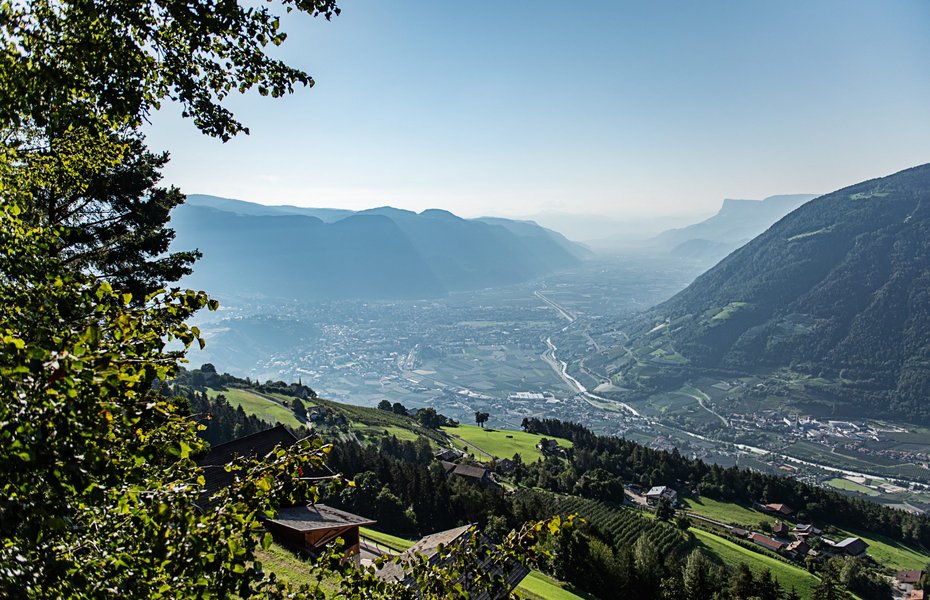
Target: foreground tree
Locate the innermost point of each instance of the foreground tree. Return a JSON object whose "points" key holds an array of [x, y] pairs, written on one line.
{"points": [[115, 225], [104, 63], [98, 487], [77, 78]]}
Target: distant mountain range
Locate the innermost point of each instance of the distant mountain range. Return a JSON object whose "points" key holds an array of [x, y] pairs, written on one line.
{"points": [[838, 290], [737, 222], [382, 253]]}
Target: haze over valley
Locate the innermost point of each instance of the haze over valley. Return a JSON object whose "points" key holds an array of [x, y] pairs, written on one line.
{"points": [[492, 300], [611, 340]]}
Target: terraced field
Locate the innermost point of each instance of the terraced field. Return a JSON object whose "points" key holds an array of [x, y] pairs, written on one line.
{"points": [[623, 525]]}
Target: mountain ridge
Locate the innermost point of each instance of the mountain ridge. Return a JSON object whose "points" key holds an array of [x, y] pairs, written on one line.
{"points": [[380, 253], [838, 289]]}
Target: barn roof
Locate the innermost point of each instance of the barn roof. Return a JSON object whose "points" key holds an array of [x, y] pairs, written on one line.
{"points": [[253, 446], [316, 517]]}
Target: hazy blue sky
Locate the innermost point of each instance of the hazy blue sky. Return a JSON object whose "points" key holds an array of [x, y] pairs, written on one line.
{"points": [[513, 107]]}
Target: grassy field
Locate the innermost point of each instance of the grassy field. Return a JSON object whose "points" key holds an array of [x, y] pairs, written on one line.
{"points": [[385, 539], [891, 553], [254, 404], [402, 426], [499, 443], [289, 567], [845, 484], [379, 430], [733, 554], [538, 586], [726, 512]]}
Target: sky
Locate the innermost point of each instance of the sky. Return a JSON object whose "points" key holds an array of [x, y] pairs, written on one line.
{"points": [[624, 109]]}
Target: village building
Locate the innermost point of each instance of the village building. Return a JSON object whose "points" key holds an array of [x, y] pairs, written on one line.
{"points": [[778, 509], [851, 546], [478, 475], [448, 454], [798, 548], [767, 542], [307, 528], [905, 581], [780, 529], [658, 492], [805, 530], [431, 548]]}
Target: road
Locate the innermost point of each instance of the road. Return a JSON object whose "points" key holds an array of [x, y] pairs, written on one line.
{"points": [[563, 312], [560, 367], [701, 397]]}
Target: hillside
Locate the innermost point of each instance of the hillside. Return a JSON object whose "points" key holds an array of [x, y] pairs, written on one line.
{"points": [[836, 290], [382, 253], [397, 482], [737, 222]]}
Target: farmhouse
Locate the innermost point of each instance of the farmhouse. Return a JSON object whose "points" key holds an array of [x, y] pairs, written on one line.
{"points": [[739, 532], [780, 529], [431, 547], [505, 465], [478, 475], [548, 447], [251, 446], [778, 509], [798, 548], [307, 528], [851, 546], [804, 530], [766, 542], [906, 580], [448, 454], [311, 528], [658, 492]]}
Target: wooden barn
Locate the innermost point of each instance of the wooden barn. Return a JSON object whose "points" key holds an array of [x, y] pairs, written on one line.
{"points": [[310, 528]]}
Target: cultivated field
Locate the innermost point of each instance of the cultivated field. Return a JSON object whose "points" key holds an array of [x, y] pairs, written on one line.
{"points": [[852, 486], [733, 514], [498, 443]]}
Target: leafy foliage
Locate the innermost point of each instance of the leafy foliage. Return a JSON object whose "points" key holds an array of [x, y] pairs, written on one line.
{"points": [[114, 61]]}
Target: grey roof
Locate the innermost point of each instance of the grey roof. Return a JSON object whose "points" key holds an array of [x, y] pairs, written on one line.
{"points": [[253, 446], [849, 542], [427, 546], [512, 571], [464, 470], [317, 516]]}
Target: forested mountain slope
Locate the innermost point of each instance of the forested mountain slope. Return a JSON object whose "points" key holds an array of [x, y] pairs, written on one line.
{"points": [[839, 288]]}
